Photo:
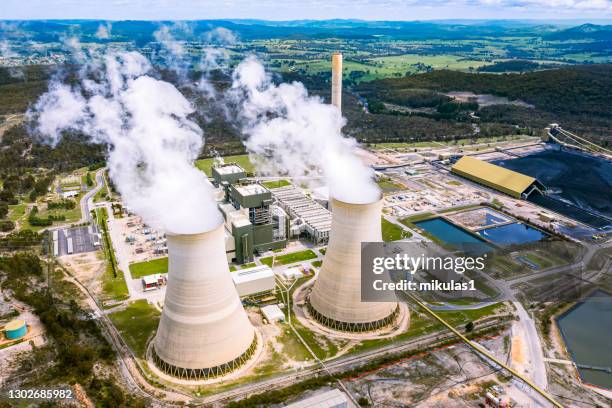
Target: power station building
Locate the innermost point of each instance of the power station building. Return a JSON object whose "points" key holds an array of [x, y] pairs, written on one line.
{"points": [[227, 173], [253, 223], [308, 217], [254, 281], [498, 178]]}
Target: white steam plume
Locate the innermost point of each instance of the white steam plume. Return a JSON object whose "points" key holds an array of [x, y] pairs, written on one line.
{"points": [[221, 36], [175, 53], [7, 53], [298, 134], [152, 141], [177, 58], [104, 31], [13, 32]]}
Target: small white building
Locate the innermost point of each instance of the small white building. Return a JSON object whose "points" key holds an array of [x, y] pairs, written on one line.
{"points": [[330, 399], [69, 194], [251, 281], [154, 281], [273, 313], [292, 273]]}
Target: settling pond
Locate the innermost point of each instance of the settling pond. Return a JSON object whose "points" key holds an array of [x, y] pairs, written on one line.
{"points": [[587, 330], [449, 233], [515, 233]]}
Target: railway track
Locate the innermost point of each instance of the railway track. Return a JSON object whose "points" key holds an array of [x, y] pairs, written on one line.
{"points": [[336, 366]]}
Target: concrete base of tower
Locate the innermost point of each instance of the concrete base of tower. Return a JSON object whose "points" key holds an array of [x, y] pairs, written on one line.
{"points": [[353, 327], [207, 375], [397, 322]]}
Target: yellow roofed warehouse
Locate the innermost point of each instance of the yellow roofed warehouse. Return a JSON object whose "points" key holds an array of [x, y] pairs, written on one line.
{"points": [[498, 178]]}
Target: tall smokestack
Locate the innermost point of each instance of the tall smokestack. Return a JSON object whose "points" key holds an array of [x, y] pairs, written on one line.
{"points": [[204, 331], [337, 80], [335, 300]]}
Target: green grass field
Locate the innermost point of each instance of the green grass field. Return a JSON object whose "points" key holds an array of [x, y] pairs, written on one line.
{"points": [[388, 185], [242, 160], [393, 232], [409, 221], [289, 258], [71, 216], [248, 265], [16, 212], [276, 183], [140, 269], [381, 67], [114, 288], [136, 323], [405, 63], [113, 281], [456, 317]]}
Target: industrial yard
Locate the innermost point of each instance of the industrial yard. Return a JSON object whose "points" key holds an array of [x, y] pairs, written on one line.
{"points": [[287, 341], [247, 287]]}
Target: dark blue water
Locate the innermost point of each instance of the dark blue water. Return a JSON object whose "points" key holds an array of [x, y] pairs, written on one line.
{"points": [[516, 233], [447, 232], [491, 219], [581, 181], [587, 330], [454, 236]]}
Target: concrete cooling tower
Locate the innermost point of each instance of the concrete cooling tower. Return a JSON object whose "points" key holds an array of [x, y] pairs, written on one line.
{"points": [[335, 300], [204, 331]]}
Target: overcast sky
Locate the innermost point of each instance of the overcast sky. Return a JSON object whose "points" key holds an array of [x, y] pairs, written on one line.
{"points": [[305, 9]]}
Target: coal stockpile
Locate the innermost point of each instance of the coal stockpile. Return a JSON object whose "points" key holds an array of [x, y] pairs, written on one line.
{"points": [[580, 185]]}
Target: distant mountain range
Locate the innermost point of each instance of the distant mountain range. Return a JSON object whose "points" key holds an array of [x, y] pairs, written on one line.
{"points": [[141, 32], [583, 32]]}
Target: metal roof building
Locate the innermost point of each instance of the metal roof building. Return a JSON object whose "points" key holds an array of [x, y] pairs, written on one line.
{"points": [[303, 209], [255, 280], [496, 177]]}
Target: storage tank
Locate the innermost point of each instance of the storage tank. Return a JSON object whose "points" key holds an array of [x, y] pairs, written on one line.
{"points": [[335, 300], [15, 329], [204, 330]]}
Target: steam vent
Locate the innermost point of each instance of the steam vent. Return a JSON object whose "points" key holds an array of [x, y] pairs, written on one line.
{"points": [[335, 300], [204, 331], [336, 97]]}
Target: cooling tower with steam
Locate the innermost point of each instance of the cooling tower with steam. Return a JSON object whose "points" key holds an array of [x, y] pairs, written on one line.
{"points": [[336, 97], [335, 300], [204, 331]]}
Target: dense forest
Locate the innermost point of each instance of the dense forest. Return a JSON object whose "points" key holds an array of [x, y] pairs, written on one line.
{"points": [[76, 351], [514, 65], [578, 97]]}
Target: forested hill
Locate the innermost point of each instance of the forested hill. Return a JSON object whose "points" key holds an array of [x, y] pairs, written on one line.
{"points": [[582, 32], [579, 90]]}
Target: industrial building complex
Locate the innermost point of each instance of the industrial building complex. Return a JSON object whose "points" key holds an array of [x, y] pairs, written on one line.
{"points": [[251, 219], [308, 217], [271, 297]]}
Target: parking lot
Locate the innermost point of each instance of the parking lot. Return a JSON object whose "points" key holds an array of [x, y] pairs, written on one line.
{"points": [[84, 239]]}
